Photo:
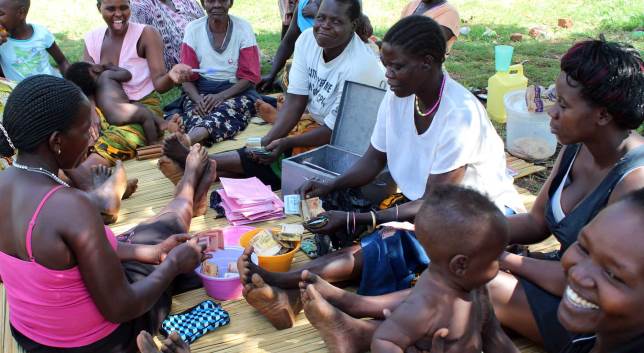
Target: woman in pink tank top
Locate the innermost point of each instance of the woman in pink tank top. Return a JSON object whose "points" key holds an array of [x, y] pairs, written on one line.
{"points": [[71, 286]]}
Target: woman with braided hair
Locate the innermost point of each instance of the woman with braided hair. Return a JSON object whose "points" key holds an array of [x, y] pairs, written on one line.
{"points": [[71, 286]]}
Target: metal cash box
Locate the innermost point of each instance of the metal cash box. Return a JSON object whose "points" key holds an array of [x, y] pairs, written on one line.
{"points": [[350, 139]]}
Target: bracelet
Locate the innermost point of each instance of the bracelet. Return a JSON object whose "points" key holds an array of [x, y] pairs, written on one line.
{"points": [[348, 231], [373, 220], [396, 213]]}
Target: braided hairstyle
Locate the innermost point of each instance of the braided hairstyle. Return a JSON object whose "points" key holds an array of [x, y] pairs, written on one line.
{"points": [[611, 75], [37, 107], [419, 36]]}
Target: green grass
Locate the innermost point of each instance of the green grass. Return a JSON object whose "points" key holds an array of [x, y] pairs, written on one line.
{"points": [[472, 59]]}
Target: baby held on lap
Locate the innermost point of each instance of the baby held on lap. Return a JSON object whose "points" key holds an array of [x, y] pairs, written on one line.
{"points": [[463, 234]]}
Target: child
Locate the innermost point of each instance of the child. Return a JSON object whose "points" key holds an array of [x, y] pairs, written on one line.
{"points": [[25, 48], [104, 83], [463, 234]]}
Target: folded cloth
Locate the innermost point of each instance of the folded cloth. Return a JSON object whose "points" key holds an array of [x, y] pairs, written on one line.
{"points": [[196, 321], [539, 99]]}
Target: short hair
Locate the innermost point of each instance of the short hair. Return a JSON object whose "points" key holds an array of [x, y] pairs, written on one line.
{"points": [[418, 36], [354, 9], [611, 75], [37, 107], [79, 73], [22, 3], [459, 220]]}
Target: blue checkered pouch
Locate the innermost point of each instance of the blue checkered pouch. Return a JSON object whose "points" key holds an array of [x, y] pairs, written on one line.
{"points": [[196, 321]]}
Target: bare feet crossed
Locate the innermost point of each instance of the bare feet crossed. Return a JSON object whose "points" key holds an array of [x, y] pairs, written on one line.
{"points": [[176, 147], [110, 186], [267, 112], [277, 305]]}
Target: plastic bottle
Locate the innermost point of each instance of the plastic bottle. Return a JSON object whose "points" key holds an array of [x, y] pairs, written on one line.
{"points": [[507, 78]]}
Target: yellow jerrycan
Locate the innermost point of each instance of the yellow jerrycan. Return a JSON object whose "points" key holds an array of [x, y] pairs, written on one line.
{"points": [[498, 85]]}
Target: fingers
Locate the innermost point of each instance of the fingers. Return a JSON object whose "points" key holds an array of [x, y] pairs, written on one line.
{"points": [[438, 340], [182, 238]]}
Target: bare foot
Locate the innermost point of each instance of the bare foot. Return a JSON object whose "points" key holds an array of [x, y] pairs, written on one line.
{"points": [[151, 132], [177, 147], [110, 192], [145, 343], [172, 125], [334, 295], [200, 205], [265, 111], [272, 302], [132, 186], [247, 268], [196, 163], [170, 169], [340, 332]]}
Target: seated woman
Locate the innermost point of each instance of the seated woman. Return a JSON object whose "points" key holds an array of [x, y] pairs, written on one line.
{"points": [[430, 131], [600, 102], [139, 49], [604, 286], [324, 58], [220, 98], [71, 286]]}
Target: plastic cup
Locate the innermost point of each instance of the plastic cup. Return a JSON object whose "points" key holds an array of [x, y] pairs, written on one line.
{"points": [[503, 57], [277, 263]]}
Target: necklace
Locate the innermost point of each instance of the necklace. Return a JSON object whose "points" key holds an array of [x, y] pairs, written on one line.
{"points": [[440, 96], [40, 171]]}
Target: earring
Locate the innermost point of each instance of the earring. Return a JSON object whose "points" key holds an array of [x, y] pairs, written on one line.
{"points": [[59, 152]]}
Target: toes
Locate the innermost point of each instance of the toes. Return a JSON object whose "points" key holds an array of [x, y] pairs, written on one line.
{"points": [[312, 293], [257, 281], [309, 277]]}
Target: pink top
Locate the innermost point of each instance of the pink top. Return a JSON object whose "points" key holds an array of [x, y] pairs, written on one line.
{"points": [[141, 83], [52, 307]]}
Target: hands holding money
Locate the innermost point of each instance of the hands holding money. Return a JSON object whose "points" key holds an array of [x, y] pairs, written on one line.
{"points": [[327, 223], [315, 188]]}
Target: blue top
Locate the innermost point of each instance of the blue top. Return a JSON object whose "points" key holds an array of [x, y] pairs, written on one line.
{"points": [[303, 22], [21, 58]]}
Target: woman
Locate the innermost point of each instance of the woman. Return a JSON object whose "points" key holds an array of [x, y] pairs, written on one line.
{"points": [[221, 97], [604, 287], [139, 49], [170, 18], [324, 58], [440, 11], [442, 134], [600, 102], [71, 286]]}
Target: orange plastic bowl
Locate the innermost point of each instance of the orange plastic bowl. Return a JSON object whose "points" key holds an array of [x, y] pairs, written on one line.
{"points": [[277, 263]]}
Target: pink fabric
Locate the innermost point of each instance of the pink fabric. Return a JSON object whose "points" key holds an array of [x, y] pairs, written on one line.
{"points": [[141, 83], [190, 58], [52, 307]]}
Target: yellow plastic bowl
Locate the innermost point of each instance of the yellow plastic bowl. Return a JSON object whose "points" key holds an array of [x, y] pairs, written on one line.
{"points": [[277, 263]]}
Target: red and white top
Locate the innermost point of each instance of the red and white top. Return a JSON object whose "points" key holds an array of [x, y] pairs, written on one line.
{"points": [[237, 59]]}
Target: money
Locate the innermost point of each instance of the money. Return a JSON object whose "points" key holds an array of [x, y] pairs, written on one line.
{"points": [[311, 208], [254, 145], [212, 238], [292, 204], [291, 232], [209, 269], [264, 244], [232, 267]]}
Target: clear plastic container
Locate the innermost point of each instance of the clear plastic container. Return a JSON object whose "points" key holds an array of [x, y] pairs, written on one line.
{"points": [[528, 134]]}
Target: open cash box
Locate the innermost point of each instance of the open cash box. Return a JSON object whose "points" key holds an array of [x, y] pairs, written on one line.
{"points": [[350, 139]]}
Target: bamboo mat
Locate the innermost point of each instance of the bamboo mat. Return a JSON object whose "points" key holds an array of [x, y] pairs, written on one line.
{"points": [[248, 331]]}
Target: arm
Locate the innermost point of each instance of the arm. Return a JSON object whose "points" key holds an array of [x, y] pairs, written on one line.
{"points": [[548, 275], [531, 227], [239, 87], [117, 74], [191, 89], [494, 338], [153, 49], [284, 51], [316, 137], [100, 268], [59, 57], [150, 254], [86, 57], [406, 325], [287, 117]]}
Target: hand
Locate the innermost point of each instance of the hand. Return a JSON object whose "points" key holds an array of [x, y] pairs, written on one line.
{"points": [[4, 35], [364, 30], [266, 83], [180, 73], [277, 147], [337, 221], [208, 103], [315, 188], [173, 343], [162, 249], [187, 256]]}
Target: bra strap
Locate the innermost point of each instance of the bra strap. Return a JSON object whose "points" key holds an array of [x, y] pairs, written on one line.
{"points": [[32, 222]]}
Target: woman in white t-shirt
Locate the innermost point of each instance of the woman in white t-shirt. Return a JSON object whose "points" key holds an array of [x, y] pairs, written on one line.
{"points": [[430, 131]]}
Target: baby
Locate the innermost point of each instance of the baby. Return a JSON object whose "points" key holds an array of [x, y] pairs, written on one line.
{"points": [[104, 81], [463, 234]]}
